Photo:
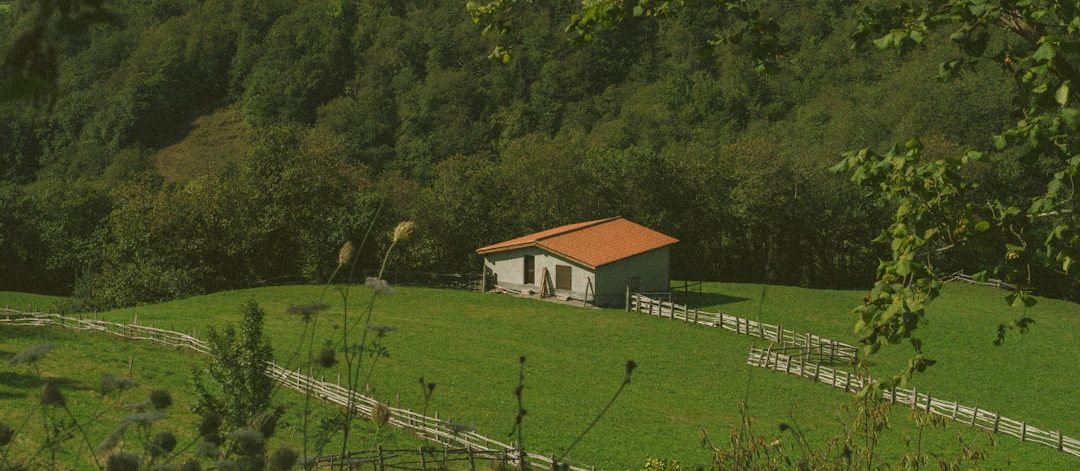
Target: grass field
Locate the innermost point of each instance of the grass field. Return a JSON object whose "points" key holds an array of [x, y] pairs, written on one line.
{"points": [[690, 377], [78, 361], [215, 139]]}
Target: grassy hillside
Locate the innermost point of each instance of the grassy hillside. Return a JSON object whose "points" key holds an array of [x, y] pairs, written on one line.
{"points": [[690, 377], [214, 140], [1022, 379], [78, 361], [28, 301]]}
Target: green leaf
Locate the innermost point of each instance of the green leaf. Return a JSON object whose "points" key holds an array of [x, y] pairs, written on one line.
{"points": [[1013, 300], [999, 141], [1070, 116], [859, 326], [840, 167], [1062, 94], [638, 10], [1045, 53], [1054, 187], [982, 226]]}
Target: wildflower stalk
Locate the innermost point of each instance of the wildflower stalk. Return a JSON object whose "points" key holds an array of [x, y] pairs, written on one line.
{"points": [[345, 256], [517, 433], [82, 432], [630, 366], [400, 233]]}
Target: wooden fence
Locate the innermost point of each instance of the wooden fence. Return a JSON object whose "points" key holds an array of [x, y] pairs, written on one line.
{"points": [[972, 416], [422, 458], [991, 282], [433, 429], [774, 333]]}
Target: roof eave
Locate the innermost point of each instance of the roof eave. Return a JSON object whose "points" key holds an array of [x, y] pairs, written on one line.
{"points": [[669, 244], [489, 249]]}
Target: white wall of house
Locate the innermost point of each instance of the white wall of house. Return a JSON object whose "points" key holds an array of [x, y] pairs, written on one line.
{"points": [[509, 270], [652, 270]]}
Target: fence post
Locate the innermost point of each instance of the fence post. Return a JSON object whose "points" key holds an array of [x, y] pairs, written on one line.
{"points": [[1023, 431], [928, 402], [1061, 441], [627, 305], [974, 415], [914, 397], [893, 394], [997, 420], [955, 409]]}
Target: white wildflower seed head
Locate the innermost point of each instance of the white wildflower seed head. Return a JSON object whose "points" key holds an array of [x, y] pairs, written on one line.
{"points": [[403, 230], [345, 254], [380, 287]]}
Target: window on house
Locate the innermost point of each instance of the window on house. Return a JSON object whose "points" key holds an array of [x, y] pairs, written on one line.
{"points": [[562, 278], [530, 270]]}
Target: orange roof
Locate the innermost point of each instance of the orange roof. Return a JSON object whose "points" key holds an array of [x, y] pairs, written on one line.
{"points": [[591, 243]]}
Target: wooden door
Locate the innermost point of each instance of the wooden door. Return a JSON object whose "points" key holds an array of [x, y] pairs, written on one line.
{"points": [[562, 278], [529, 277]]}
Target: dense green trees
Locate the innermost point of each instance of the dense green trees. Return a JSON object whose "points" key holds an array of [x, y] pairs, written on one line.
{"points": [[404, 106]]}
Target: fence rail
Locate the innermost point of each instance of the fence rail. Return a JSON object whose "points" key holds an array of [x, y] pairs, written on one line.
{"points": [[411, 459], [991, 282], [429, 428], [972, 416], [774, 333]]}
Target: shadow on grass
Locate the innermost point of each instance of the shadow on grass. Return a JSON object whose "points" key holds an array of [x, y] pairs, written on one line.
{"points": [[41, 334], [33, 381]]}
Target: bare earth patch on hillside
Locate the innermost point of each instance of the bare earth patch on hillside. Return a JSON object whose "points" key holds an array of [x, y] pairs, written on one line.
{"points": [[215, 140]]}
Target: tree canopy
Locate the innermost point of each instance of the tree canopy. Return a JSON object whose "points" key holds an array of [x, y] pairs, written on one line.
{"points": [[716, 122]]}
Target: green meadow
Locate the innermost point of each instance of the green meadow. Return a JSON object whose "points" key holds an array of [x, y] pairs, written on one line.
{"points": [[78, 361], [690, 378]]}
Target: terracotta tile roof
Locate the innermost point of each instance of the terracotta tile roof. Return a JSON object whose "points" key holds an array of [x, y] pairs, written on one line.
{"points": [[591, 243]]}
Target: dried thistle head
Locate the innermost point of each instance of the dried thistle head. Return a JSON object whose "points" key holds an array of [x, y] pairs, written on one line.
{"points": [[307, 311], [402, 232], [459, 427], [162, 444], [380, 414], [160, 399], [30, 355], [110, 383], [283, 459], [122, 462], [345, 254], [381, 287], [327, 357], [51, 395], [6, 434]]}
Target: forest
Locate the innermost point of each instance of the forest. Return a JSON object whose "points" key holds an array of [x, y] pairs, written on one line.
{"points": [[315, 118]]}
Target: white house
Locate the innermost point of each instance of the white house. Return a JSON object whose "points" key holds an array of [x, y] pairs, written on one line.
{"points": [[592, 261]]}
